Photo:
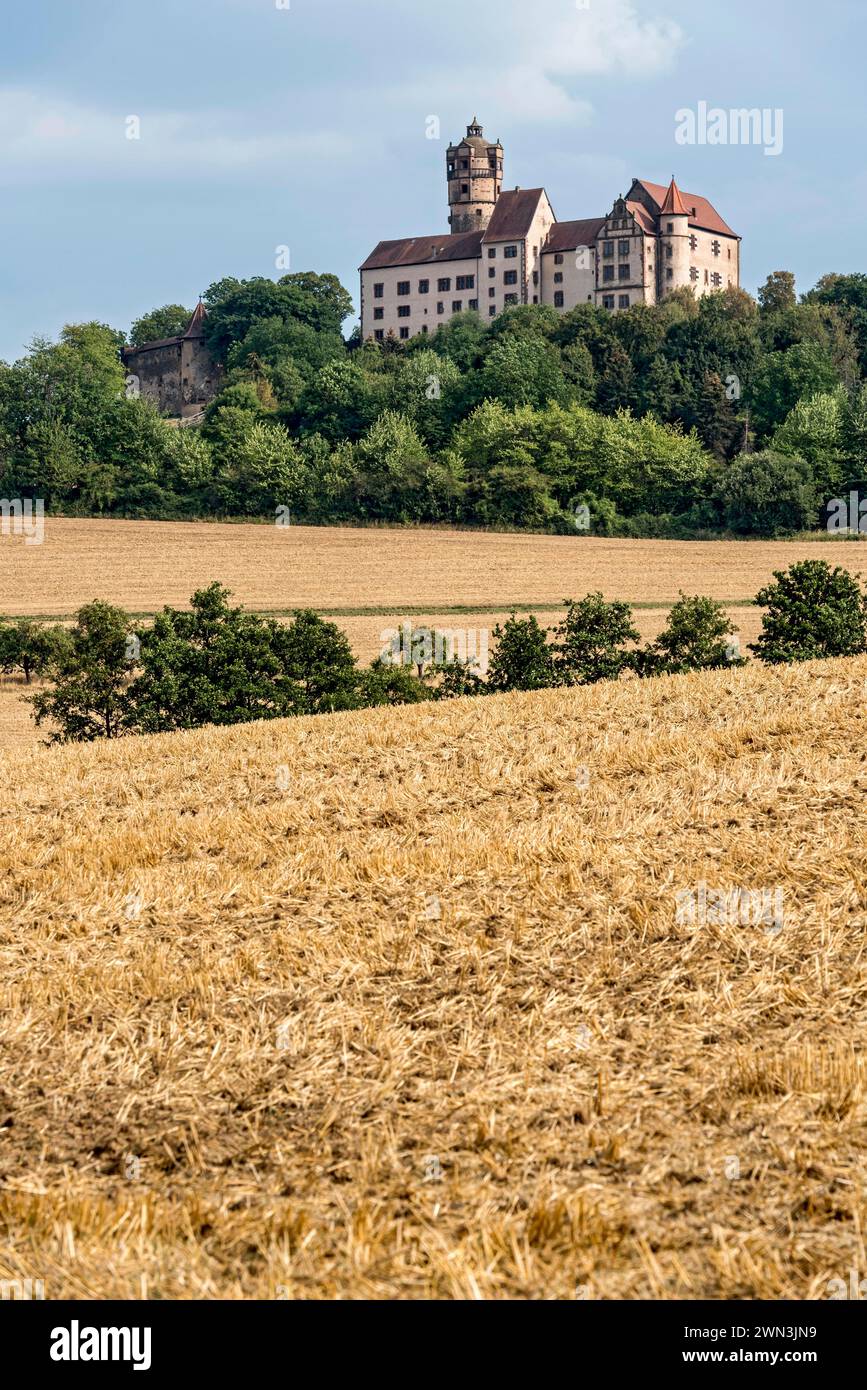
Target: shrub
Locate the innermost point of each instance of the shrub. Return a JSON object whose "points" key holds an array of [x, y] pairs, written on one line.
{"points": [[813, 611], [593, 638], [768, 494], [696, 637], [522, 659]]}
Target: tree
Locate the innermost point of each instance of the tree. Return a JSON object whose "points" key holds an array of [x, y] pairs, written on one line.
{"points": [[592, 640], [778, 292], [813, 611], [696, 637], [767, 494], [30, 647], [168, 322], [522, 659], [89, 697]]}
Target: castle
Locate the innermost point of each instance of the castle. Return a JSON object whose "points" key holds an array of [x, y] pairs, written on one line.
{"points": [[178, 374], [507, 247]]}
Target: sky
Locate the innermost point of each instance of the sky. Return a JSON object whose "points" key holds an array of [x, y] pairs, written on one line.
{"points": [[306, 124]]}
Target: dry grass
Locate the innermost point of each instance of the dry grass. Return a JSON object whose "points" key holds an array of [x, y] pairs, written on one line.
{"points": [[143, 564], [547, 1088]]}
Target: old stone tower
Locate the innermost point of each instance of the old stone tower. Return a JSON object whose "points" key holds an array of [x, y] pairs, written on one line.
{"points": [[178, 374], [475, 175]]}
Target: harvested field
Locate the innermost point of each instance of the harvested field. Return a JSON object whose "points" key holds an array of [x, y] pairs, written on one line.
{"points": [[142, 565], [429, 1023]]}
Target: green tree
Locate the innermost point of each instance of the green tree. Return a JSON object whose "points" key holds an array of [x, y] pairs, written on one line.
{"points": [[813, 611], [778, 292], [168, 322], [593, 638], [89, 697], [767, 494], [30, 647], [522, 658], [696, 637]]}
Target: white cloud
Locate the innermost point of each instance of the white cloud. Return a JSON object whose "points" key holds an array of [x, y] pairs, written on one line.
{"points": [[43, 135]]}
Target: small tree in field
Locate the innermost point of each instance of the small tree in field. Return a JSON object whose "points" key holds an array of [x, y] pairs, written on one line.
{"points": [[813, 611], [90, 673], [30, 647], [593, 639], [522, 659], [697, 637]]}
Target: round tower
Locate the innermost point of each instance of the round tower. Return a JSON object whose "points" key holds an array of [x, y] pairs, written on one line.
{"points": [[475, 175], [674, 243]]}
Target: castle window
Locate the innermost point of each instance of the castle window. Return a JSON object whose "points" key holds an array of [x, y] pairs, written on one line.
{"points": [[424, 286], [473, 304], [465, 188], [607, 250], [510, 299], [716, 279], [706, 277], [668, 253], [510, 252], [492, 310], [465, 164], [403, 287], [730, 253], [715, 247], [404, 332], [693, 273], [535, 299], [444, 286], [424, 328], [669, 274], [492, 251], [623, 248], [558, 259], [403, 311], [465, 282], [441, 308], [558, 277], [535, 277], [623, 301], [457, 306], [623, 272], [669, 226], [378, 291], [608, 272], [608, 301], [492, 270], [558, 299], [693, 243], [491, 292], [510, 277], [379, 334], [379, 313]]}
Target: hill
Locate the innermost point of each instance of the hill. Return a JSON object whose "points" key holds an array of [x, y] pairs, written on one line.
{"points": [[408, 1003]]}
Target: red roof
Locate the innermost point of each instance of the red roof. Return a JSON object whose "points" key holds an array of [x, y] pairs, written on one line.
{"points": [[701, 213], [643, 218], [514, 213], [566, 236], [673, 205], [418, 250]]}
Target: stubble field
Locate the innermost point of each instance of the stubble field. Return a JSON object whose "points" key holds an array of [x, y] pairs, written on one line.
{"points": [[397, 1003]]}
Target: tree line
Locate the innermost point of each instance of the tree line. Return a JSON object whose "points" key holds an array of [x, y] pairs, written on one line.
{"points": [[718, 415], [216, 663]]}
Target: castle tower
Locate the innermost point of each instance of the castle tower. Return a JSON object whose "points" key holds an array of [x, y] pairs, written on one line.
{"points": [[475, 175], [674, 243]]}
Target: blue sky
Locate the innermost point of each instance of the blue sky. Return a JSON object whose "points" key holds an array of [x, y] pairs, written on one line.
{"points": [[305, 126]]}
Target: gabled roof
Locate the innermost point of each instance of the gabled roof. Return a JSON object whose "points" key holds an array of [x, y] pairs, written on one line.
{"points": [[643, 218], [423, 250], [514, 213], [567, 236], [701, 213]]}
